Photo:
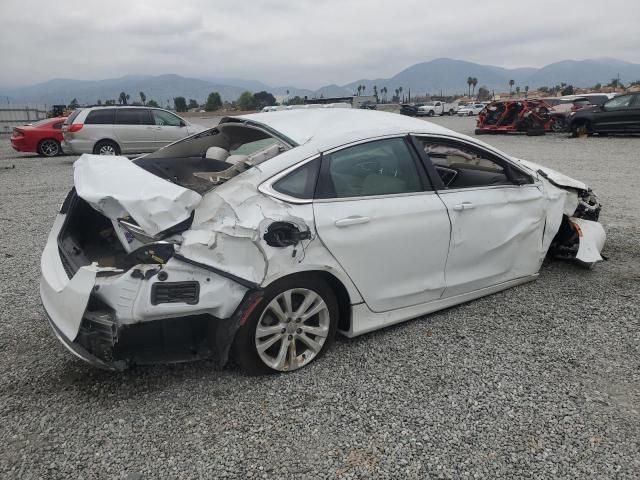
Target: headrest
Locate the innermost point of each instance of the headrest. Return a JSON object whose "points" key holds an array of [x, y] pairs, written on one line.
{"points": [[217, 153]]}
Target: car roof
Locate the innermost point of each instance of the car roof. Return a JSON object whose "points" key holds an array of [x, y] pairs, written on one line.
{"points": [[325, 126]]}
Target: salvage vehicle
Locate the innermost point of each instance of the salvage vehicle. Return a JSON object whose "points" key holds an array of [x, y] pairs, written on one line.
{"points": [[430, 109], [43, 137], [532, 117], [264, 236], [116, 130], [619, 115]]}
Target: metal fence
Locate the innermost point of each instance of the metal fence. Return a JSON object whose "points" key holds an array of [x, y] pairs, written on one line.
{"points": [[16, 115]]}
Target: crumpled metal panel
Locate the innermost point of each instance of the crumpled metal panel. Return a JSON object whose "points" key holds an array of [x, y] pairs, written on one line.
{"points": [[117, 187]]}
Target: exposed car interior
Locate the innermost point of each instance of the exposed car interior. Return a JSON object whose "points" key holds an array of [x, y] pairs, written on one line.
{"points": [[212, 157]]}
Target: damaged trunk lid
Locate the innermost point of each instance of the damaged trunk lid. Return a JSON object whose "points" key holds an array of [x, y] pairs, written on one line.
{"points": [[122, 191]]}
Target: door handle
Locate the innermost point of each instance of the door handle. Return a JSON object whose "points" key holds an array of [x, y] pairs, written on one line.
{"points": [[353, 220], [464, 206]]}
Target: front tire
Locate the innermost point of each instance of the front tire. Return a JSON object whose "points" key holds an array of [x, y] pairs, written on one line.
{"points": [[580, 129], [431, 113], [106, 147], [49, 148], [294, 324]]}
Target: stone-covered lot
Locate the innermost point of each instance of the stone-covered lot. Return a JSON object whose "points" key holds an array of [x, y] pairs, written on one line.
{"points": [[540, 381]]}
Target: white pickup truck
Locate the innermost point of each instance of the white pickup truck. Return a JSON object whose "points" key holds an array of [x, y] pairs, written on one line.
{"points": [[430, 109]]}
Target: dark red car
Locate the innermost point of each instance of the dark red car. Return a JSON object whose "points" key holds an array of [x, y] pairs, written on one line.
{"points": [[43, 137]]}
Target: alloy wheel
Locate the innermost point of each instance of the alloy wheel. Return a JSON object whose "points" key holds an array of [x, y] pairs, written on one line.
{"points": [[50, 148], [107, 149], [292, 329]]}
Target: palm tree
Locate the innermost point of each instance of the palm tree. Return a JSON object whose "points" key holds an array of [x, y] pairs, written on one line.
{"points": [[375, 92], [469, 82], [399, 92], [384, 93], [122, 98], [526, 91], [518, 91], [474, 82], [511, 84], [143, 98]]}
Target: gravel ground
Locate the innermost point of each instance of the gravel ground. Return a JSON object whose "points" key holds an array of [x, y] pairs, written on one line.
{"points": [[540, 381]]}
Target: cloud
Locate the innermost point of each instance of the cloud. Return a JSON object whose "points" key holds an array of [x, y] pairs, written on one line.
{"points": [[302, 42]]}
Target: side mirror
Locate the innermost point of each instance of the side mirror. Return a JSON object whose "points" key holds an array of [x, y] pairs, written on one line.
{"points": [[182, 124]]}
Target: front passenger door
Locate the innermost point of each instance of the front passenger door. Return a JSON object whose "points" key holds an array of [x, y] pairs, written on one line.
{"points": [[616, 116], [497, 216], [169, 128]]}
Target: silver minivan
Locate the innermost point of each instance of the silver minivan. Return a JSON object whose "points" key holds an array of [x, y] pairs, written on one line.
{"points": [[115, 130]]}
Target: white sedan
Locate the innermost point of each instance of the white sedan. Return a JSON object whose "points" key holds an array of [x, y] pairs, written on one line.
{"points": [[266, 235], [470, 110]]}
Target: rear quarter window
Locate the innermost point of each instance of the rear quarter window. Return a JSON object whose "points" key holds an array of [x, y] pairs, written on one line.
{"points": [[72, 117], [300, 183]]}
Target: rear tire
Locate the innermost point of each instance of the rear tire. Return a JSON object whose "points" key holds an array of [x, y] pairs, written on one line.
{"points": [[49, 148], [293, 340], [106, 147]]}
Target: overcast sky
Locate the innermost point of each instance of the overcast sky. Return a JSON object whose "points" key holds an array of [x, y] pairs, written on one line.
{"points": [[306, 43]]}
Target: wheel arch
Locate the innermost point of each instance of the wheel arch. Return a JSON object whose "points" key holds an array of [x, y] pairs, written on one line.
{"points": [[345, 295], [106, 139]]}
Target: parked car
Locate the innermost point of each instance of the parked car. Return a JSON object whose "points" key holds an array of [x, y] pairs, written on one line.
{"points": [[430, 109], [268, 233], [368, 105], [410, 109], [618, 115], [562, 108], [123, 130], [470, 109], [43, 137]]}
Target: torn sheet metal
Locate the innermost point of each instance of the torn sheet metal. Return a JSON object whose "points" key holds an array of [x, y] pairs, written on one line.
{"points": [[118, 188]]}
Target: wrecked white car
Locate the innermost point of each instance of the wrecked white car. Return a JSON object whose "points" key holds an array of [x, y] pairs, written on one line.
{"points": [[265, 235]]}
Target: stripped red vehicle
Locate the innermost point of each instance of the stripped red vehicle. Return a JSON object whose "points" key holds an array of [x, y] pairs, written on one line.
{"points": [[532, 117], [43, 137]]}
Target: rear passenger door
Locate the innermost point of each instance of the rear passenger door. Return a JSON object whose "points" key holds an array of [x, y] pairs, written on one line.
{"points": [[134, 131], [497, 216], [169, 128], [378, 215]]}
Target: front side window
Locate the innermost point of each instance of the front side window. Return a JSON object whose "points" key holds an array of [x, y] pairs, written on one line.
{"points": [[463, 166], [619, 102], [382, 167], [133, 116], [166, 119], [103, 116]]}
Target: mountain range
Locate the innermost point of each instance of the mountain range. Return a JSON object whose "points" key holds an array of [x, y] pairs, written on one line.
{"points": [[444, 75]]}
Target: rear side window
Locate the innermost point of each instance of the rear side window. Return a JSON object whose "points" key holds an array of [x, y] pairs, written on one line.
{"points": [[101, 117], [300, 183], [133, 116], [57, 126], [383, 167]]}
